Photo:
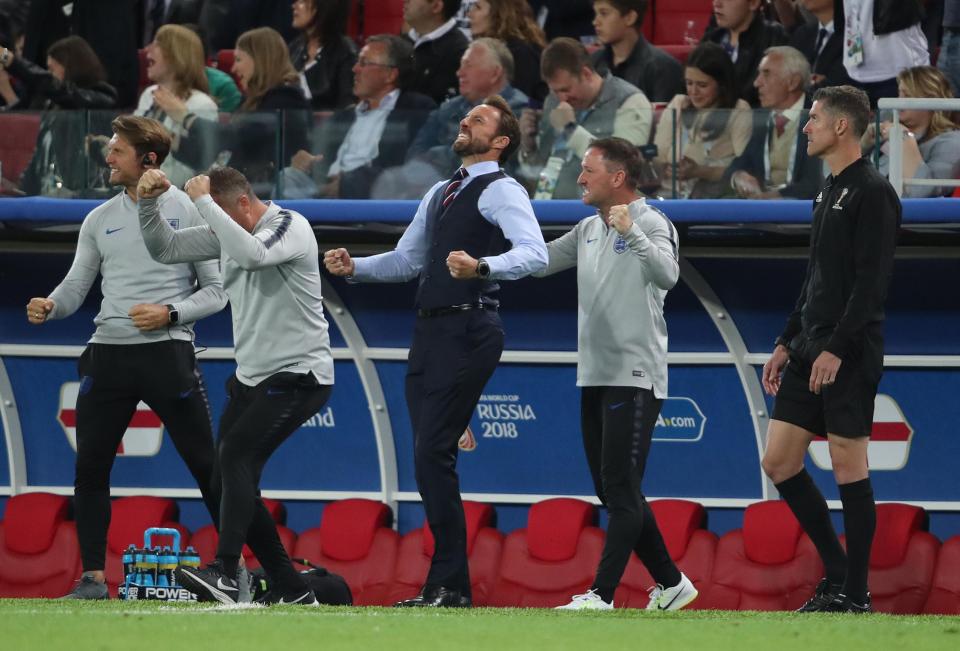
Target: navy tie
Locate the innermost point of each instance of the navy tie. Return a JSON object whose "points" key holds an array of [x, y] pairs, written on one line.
{"points": [[455, 181], [821, 37]]}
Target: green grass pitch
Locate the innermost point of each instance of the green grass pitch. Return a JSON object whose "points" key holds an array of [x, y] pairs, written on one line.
{"points": [[28, 624]]}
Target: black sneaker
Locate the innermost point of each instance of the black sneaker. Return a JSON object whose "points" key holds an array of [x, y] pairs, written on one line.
{"points": [[844, 604], [211, 583], [88, 588], [274, 598], [823, 596]]}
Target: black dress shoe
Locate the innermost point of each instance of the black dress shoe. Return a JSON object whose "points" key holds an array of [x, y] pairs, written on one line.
{"points": [[436, 597]]}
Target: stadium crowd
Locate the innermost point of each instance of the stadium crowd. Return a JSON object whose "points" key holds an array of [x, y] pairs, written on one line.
{"points": [[315, 105]]}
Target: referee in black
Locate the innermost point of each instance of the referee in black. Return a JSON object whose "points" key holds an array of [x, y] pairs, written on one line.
{"points": [[826, 365]]}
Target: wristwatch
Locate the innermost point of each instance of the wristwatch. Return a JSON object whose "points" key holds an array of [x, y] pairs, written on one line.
{"points": [[5, 57], [483, 269], [174, 314]]}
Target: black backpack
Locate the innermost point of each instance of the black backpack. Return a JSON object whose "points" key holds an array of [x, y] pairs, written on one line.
{"points": [[329, 588]]}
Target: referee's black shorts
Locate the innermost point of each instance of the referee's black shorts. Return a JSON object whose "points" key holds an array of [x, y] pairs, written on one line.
{"points": [[844, 408]]}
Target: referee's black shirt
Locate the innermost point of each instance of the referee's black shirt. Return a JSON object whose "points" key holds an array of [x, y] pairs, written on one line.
{"points": [[855, 221]]}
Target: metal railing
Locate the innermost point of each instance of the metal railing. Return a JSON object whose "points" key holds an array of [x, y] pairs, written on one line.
{"points": [[897, 104]]}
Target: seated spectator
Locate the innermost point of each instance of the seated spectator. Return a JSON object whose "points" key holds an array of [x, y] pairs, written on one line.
{"points": [[223, 89], [703, 131], [512, 22], [883, 37], [949, 58], [775, 164], [628, 55], [358, 143], [484, 71], [437, 46], [931, 142], [176, 66], [581, 107], [742, 31], [249, 141], [821, 41], [74, 79], [322, 54]]}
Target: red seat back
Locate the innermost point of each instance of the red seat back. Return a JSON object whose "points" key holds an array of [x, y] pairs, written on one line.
{"points": [[382, 17], [18, 141], [682, 524], [944, 598], [553, 558], [770, 564], [224, 61], [484, 545], [355, 540], [130, 517], [39, 554], [902, 559], [672, 18]]}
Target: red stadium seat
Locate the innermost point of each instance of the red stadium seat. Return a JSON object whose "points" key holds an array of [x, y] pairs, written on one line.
{"points": [[902, 559], [690, 545], [944, 596], [130, 517], [484, 544], [770, 564], [39, 554], [224, 62], [382, 17], [18, 141], [143, 81], [670, 22], [355, 540], [552, 559], [205, 539]]}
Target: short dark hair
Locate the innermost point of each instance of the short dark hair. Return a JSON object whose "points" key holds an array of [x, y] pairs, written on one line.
{"points": [[508, 125], [399, 55], [229, 182], [564, 53], [623, 153], [145, 134], [626, 6], [450, 8], [850, 102]]}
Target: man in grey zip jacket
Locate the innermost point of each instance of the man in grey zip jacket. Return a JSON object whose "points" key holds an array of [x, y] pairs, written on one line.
{"points": [[626, 259], [271, 273], [142, 348]]}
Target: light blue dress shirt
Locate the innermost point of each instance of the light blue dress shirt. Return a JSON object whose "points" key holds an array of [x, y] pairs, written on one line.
{"points": [[504, 203]]}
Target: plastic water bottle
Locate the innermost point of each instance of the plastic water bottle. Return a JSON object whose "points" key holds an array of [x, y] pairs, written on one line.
{"points": [[690, 34], [138, 566], [549, 176], [166, 566], [189, 558], [129, 567], [151, 558]]}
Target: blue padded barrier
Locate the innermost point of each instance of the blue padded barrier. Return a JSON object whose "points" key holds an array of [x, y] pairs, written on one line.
{"points": [[326, 211]]}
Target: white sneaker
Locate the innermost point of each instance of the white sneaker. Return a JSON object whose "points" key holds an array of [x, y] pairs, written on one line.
{"points": [[587, 601], [673, 598]]}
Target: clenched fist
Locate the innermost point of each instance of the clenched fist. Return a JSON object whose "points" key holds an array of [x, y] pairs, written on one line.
{"points": [[149, 316], [462, 265], [38, 309], [619, 217], [198, 186], [152, 184], [338, 262]]}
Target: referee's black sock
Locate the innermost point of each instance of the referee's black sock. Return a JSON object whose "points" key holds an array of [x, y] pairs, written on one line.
{"points": [[807, 503], [859, 523]]}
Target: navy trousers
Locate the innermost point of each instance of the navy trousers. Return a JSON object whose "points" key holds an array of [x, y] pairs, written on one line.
{"points": [[451, 359]]}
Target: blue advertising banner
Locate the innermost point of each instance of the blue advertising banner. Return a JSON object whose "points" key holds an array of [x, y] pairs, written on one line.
{"points": [[334, 450], [528, 441]]}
